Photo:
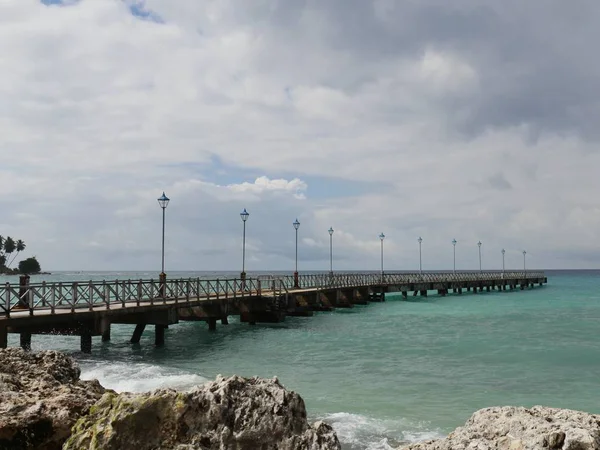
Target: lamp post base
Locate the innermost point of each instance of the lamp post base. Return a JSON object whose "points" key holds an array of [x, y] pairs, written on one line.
{"points": [[23, 293], [162, 281], [296, 282], [243, 278]]}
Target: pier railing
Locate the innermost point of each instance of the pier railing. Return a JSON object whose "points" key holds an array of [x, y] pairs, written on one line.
{"points": [[375, 279], [54, 297], [61, 296]]}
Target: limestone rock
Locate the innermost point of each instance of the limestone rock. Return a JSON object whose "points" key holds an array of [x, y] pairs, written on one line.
{"points": [[516, 428], [41, 397], [230, 413]]}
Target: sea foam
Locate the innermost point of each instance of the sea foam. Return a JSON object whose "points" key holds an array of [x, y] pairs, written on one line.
{"points": [[138, 377], [356, 431]]}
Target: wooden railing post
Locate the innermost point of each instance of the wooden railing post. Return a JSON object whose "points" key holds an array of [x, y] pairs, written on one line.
{"points": [[74, 296], [8, 305], [140, 292], [91, 296], [162, 280], [23, 289], [106, 294]]}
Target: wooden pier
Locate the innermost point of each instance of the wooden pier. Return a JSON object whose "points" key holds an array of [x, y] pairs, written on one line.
{"points": [[88, 309]]}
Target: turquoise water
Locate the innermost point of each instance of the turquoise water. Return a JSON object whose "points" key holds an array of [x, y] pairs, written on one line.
{"points": [[387, 372]]}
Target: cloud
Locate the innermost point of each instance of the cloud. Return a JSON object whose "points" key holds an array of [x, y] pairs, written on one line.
{"points": [[470, 120], [264, 184]]}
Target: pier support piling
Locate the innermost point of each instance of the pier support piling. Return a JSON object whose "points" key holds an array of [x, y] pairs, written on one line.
{"points": [[423, 293], [224, 320], [3, 336], [25, 340], [105, 329], [106, 335], [137, 333], [212, 324], [404, 295], [86, 342], [159, 335]]}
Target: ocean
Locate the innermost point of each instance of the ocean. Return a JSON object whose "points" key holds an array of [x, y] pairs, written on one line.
{"points": [[386, 373]]}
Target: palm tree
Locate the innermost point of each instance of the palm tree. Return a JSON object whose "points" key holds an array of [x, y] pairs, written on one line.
{"points": [[9, 246], [19, 246]]}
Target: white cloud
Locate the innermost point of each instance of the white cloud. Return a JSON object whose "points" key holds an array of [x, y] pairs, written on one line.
{"points": [[100, 111], [263, 184]]}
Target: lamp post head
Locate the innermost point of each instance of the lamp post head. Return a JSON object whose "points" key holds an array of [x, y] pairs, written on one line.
{"points": [[330, 231], [420, 239], [382, 236], [296, 224], [163, 201], [453, 241], [503, 251], [524, 252], [244, 215], [479, 244]]}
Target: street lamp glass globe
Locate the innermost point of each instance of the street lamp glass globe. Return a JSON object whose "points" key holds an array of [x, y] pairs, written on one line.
{"points": [[453, 241], [479, 244], [296, 224], [330, 231], [503, 251], [382, 236], [163, 201], [420, 239], [244, 215]]}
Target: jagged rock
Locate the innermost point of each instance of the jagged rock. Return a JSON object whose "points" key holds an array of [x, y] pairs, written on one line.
{"points": [[515, 428], [41, 397], [230, 413]]}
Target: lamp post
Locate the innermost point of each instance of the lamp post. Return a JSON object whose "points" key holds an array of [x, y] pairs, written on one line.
{"points": [[420, 240], [382, 237], [296, 226], [454, 265], [524, 265], [479, 245], [163, 202], [503, 252], [244, 215], [330, 251]]}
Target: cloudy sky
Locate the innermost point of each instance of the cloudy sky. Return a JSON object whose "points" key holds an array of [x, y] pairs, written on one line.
{"points": [[466, 119]]}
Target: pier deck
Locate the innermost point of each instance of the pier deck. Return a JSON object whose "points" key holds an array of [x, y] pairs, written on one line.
{"points": [[88, 309]]}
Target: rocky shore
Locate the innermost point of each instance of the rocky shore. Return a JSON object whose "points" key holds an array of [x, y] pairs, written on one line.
{"points": [[517, 428], [44, 405]]}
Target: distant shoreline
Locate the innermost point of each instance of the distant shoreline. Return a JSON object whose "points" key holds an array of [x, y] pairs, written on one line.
{"points": [[17, 274]]}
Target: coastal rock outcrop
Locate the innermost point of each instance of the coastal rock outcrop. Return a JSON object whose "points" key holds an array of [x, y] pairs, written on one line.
{"points": [[517, 428], [41, 397], [230, 413]]}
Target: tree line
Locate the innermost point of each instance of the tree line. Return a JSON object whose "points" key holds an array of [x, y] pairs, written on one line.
{"points": [[9, 250]]}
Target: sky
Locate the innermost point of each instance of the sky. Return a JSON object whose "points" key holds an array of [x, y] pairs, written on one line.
{"points": [[472, 120]]}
